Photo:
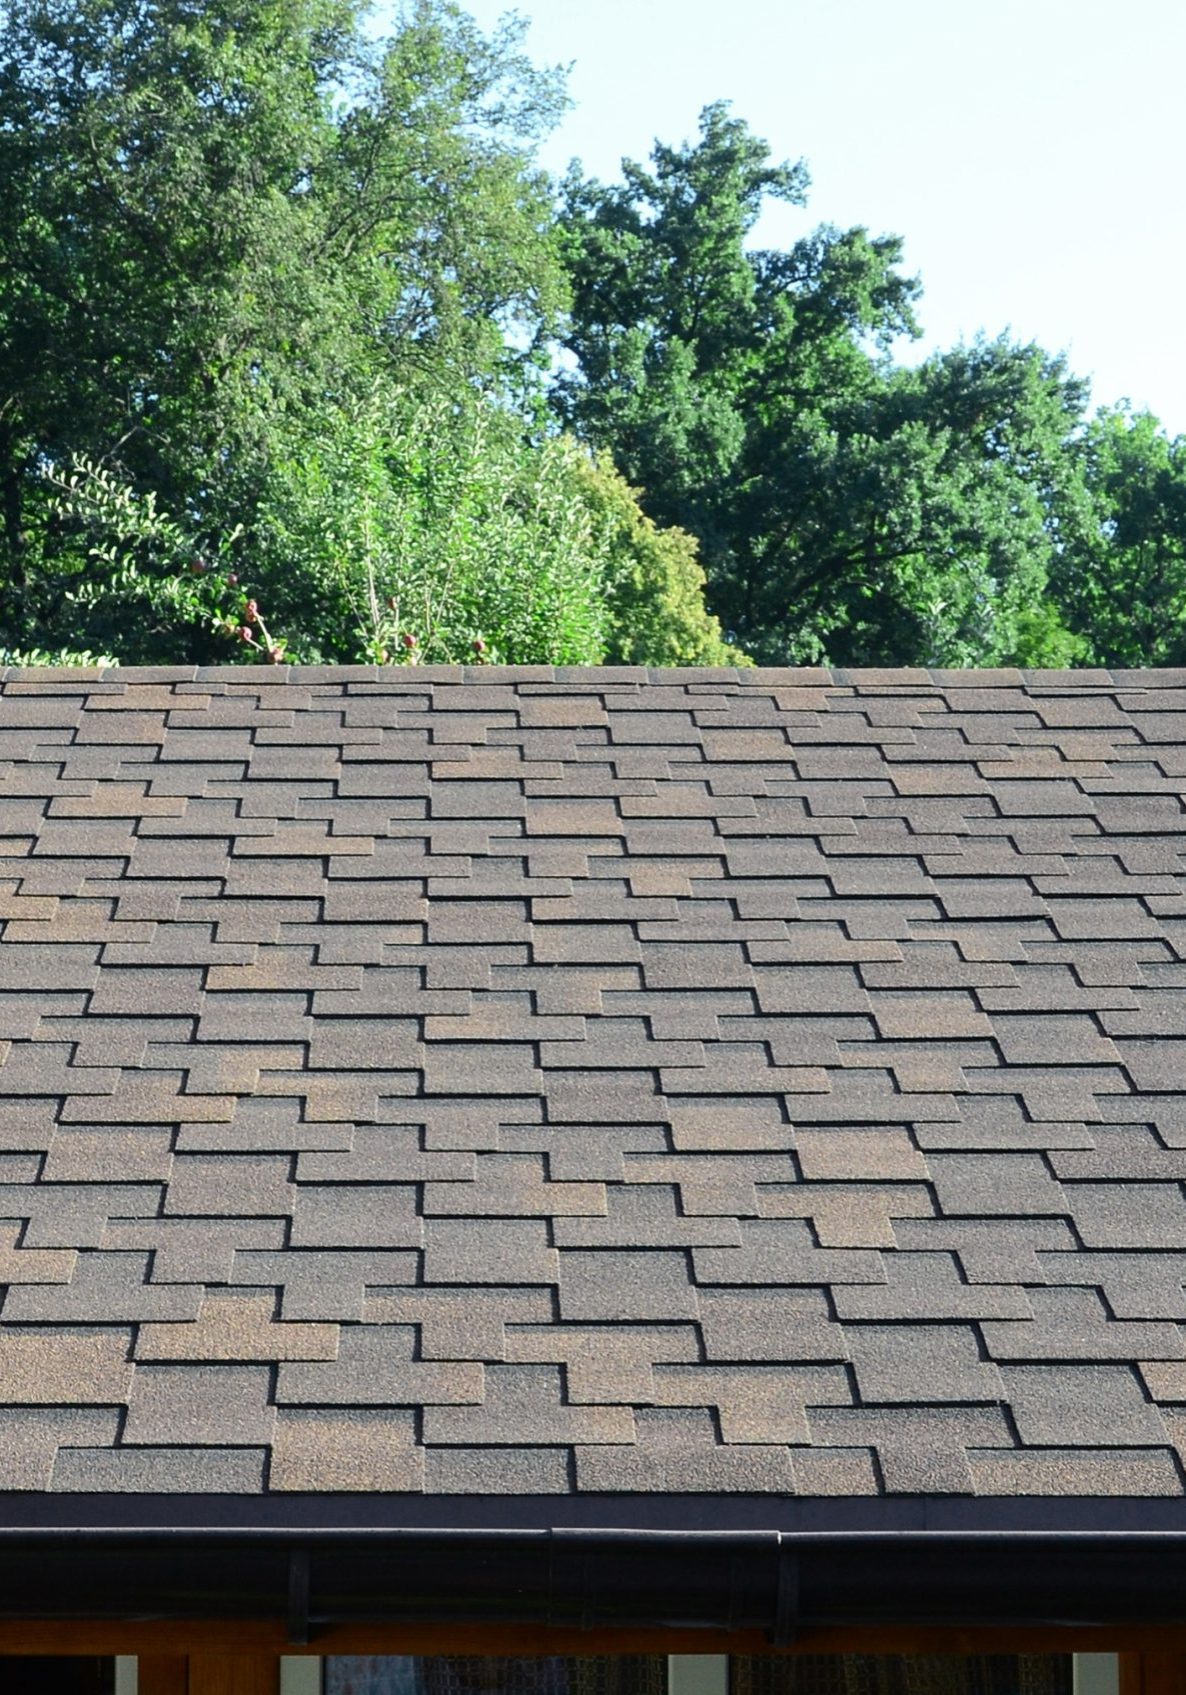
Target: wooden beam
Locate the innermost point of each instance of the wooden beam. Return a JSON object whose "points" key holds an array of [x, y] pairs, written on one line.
{"points": [[160, 1674], [234, 1674], [160, 1642], [1156, 1673]]}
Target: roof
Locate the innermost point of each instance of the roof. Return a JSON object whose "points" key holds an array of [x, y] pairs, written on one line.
{"points": [[757, 1088]]}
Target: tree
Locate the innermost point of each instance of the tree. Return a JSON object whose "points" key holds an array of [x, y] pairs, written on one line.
{"points": [[224, 213], [655, 581], [664, 311], [913, 520], [847, 509], [1121, 576], [406, 530], [412, 530]]}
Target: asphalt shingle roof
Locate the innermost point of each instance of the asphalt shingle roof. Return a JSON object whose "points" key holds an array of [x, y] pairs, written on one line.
{"points": [[556, 1082]]}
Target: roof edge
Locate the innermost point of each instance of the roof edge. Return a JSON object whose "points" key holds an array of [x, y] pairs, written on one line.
{"points": [[636, 1514], [594, 1580], [398, 677]]}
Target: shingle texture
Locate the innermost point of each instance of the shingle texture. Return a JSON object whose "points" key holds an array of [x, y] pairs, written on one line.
{"points": [[538, 1082]]}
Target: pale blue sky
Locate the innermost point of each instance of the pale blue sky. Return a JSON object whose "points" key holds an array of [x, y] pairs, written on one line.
{"points": [[1033, 155]]}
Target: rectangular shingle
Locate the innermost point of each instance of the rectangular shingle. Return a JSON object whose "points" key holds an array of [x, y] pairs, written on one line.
{"points": [[498, 1080]]}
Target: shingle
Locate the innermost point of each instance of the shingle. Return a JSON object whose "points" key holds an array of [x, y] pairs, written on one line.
{"points": [[73, 1215], [602, 1363], [1155, 1065], [187, 1405], [591, 1052], [1125, 1472], [784, 1251], [504, 1251], [847, 1215], [110, 1153], [920, 1363], [213, 1185], [723, 1126], [783, 1325], [30, 1438], [148, 1097], [57, 1367], [345, 1450], [478, 1068], [43, 1068], [147, 1471], [235, 1324], [1132, 1215], [1134, 1285], [999, 1123], [321, 1283], [189, 1250], [677, 1451], [1054, 1040], [754, 1403], [385, 1153], [106, 1288], [1081, 1406], [49, 966], [934, 1016], [19, 1265], [524, 1406], [927, 1288], [835, 1471], [343, 1215], [865, 1155], [1125, 1152], [996, 1250], [497, 1471], [809, 989], [920, 1450], [376, 1366], [980, 1184], [1073, 1324], [617, 1286], [461, 1323]]}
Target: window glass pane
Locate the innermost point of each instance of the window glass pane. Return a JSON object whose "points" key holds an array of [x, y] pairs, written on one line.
{"points": [[78, 1674], [477, 1674], [901, 1674]]}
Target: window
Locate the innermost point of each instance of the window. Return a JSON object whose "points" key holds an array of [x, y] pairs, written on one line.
{"points": [[901, 1674], [474, 1674]]}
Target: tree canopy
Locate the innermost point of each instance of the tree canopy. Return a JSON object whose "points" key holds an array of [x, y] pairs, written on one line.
{"points": [[291, 320], [851, 508]]}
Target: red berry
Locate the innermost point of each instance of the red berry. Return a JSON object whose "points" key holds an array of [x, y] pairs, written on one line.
{"points": [[479, 645], [276, 655], [245, 634], [408, 639], [232, 581], [251, 611], [197, 567]]}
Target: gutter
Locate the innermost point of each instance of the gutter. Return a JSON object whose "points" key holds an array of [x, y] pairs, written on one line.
{"points": [[774, 1582]]}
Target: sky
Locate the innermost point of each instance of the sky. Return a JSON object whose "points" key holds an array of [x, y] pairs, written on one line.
{"points": [[1032, 153]]}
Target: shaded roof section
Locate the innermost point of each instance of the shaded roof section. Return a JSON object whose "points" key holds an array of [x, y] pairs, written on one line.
{"points": [[565, 1083]]}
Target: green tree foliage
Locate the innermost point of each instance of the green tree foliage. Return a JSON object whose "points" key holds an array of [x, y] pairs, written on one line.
{"points": [[433, 531], [655, 581], [279, 306], [274, 309], [914, 519], [1122, 575], [411, 530], [848, 508], [226, 215]]}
